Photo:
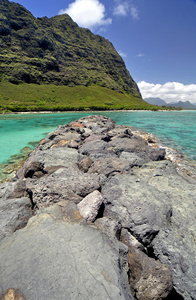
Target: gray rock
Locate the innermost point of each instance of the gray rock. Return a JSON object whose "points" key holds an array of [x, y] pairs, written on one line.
{"points": [[110, 166], [136, 204], [157, 154], [149, 279], [55, 258], [34, 170], [85, 164], [97, 148], [118, 130], [129, 240], [64, 157], [95, 137], [110, 227], [98, 124], [144, 195], [70, 139], [16, 189], [41, 161], [155, 283], [86, 133], [134, 160], [89, 207], [158, 206], [14, 214], [175, 243], [138, 146], [59, 135], [133, 144], [64, 184], [73, 144], [6, 189]]}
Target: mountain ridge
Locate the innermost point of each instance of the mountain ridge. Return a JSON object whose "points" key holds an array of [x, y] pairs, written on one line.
{"points": [[56, 50], [160, 102]]}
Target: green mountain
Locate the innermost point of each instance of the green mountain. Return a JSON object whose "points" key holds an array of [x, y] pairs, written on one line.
{"points": [[56, 51]]}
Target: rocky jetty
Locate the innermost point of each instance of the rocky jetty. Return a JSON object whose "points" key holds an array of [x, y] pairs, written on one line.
{"points": [[96, 212]]}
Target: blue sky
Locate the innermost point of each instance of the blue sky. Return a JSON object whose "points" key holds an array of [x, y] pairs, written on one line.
{"points": [[156, 38]]}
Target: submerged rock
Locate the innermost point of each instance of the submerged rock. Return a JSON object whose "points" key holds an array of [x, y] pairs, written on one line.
{"points": [[113, 219]]}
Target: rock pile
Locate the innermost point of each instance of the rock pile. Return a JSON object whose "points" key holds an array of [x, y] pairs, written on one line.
{"points": [[102, 215]]}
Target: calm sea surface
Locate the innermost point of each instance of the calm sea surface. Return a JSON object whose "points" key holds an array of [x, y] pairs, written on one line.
{"points": [[176, 129]]}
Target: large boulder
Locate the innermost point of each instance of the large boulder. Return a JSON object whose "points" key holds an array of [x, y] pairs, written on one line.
{"points": [[157, 205], [14, 214], [41, 162], [137, 205], [57, 258], [175, 243]]}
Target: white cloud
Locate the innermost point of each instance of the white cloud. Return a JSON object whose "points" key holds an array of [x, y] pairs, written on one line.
{"points": [[122, 54], [121, 9], [140, 55], [170, 91], [125, 8], [134, 13], [87, 13]]}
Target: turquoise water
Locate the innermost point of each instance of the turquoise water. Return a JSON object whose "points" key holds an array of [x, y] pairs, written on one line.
{"points": [[176, 129]]}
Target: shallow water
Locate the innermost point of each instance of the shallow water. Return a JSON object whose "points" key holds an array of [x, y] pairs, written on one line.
{"points": [[176, 129]]}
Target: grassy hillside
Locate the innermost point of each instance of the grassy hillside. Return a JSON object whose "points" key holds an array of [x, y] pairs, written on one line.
{"points": [[52, 64], [34, 97], [56, 50]]}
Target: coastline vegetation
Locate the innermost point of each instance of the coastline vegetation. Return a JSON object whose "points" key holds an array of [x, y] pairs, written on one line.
{"points": [[49, 97]]}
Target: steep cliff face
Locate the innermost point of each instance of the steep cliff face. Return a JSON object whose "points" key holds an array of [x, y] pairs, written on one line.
{"points": [[57, 50]]}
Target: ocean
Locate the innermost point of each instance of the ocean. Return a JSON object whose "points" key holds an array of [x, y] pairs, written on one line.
{"points": [[175, 129]]}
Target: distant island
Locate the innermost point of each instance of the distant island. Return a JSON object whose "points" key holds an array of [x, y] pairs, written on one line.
{"points": [[179, 104], [53, 64]]}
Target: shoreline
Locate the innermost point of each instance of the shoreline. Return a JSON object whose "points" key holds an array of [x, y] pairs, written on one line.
{"points": [[181, 162], [88, 111]]}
